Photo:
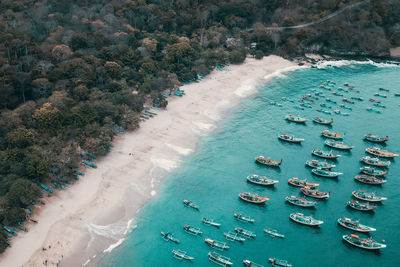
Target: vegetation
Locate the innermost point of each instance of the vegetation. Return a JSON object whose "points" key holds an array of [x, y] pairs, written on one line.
{"points": [[70, 71]]}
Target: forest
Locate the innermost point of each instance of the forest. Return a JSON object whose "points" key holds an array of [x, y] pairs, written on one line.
{"points": [[74, 73]]}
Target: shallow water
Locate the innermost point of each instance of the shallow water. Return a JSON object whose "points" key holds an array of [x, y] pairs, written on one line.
{"points": [[214, 175]]}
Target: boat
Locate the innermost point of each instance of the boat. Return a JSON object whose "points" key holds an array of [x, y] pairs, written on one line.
{"points": [[302, 202], [339, 112], [245, 233], [361, 206], [375, 138], [273, 233], [371, 197], [367, 179], [261, 180], [354, 225], [331, 100], [306, 220], [374, 100], [373, 172], [322, 121], [375, 161], [219, 259], [216, 244], [169, 237], [337, 94], [357, 98], [268, 161], [243, 218], [379, 105], [383, 89], [189, 203], [296, 119], [280, 263], [211, 222], [324, 111], [345, 107], [325, 154], [192, 230], [329, 134], [376, 151], [338, 145], [251, 264], [348, 101], [380, 95], [365, 243], [301, 183], [314, 193], [290, 138], [181, 255], [233, 237], [313, 163], [325, 173], [253, 198], [373, 110]]}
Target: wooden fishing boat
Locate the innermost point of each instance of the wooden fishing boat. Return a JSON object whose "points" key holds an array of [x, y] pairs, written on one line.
{"points": [[290, 138], [233, 237], [261, 180], [273, 233], [324, 111], [314, 193], [339, 112], [365, 243], [219, 259], [325, 173], [189, 203], [375, 161], [301, 183], [181, 255], [375, 138], [296, 119], [357, 98], [243, 218], [322, 121], [383, 89], [355, 225], [302, 202], [329, 134], [192, 230], [348, 101], [374, 100], [361, 206], [337, 94], [331, 100], [367, 179], [325, 154], [245, 233], [251, 264], [306, 220], [373, 172], [169, 237], [211, 222], [379, 105], [216, 244], [279, 263], [371, 197], [373, 110], [313, 163], [376, 151], [338, 145], [268, 162], [380, 95], [253, 198]]}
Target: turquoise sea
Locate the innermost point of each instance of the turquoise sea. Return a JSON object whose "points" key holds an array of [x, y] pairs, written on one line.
{"points": [[214, 175]]}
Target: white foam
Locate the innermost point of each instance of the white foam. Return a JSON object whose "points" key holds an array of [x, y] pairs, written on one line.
{"points": [[281, 72], [204, 126], [86, 262], [153, 193], [180, 150], [339, 63], [247, 88], [113, 246], [165, 164]]}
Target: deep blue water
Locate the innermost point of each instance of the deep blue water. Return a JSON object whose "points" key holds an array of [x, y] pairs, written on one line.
{"points": [[216, 173]]}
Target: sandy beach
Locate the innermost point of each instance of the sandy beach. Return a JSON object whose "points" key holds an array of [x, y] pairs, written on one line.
{"points": [[77, 226]]}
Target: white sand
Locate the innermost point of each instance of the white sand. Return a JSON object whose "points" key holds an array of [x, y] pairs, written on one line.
{"points": [[95, 215], [395, 52]]}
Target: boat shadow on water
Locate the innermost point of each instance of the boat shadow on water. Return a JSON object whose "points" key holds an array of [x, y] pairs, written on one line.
{"points": [[358, 212]]}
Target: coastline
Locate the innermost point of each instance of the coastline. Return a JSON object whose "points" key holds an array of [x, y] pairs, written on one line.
{"points": [[96, 214]]}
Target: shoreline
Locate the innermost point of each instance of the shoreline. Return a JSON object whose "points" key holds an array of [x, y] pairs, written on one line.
{"points": [[77, 225]]}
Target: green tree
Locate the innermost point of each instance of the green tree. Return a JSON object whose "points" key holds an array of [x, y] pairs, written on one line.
{"points": [[22, 192]]}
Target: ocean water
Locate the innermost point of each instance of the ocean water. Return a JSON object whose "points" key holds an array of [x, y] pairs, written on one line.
{"points": [[213, 176]]}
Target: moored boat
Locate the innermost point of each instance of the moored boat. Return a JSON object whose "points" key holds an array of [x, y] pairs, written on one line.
{"points": [[371, 197], [355, 225], [376, 151], [279, 263], [375, 161], [245, 233], [216, 244], [302, 202], [365, 243], [306, 220], [192, 230], [219, 259], [249, 263], [290, 138], [211, 222], [313, 163], [322, 121], [181, 255], [189, 203], [314, 193], [233, 237], [338, 145], [301, 183], [361, 206], [296, 119], [261, 180], [373, 172], [169, 237], [253, 198], [243, 218], [367, 179], [325, 154], [273, 233], [375, 138], [332, 135], [325, 173], [268, 161]]}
